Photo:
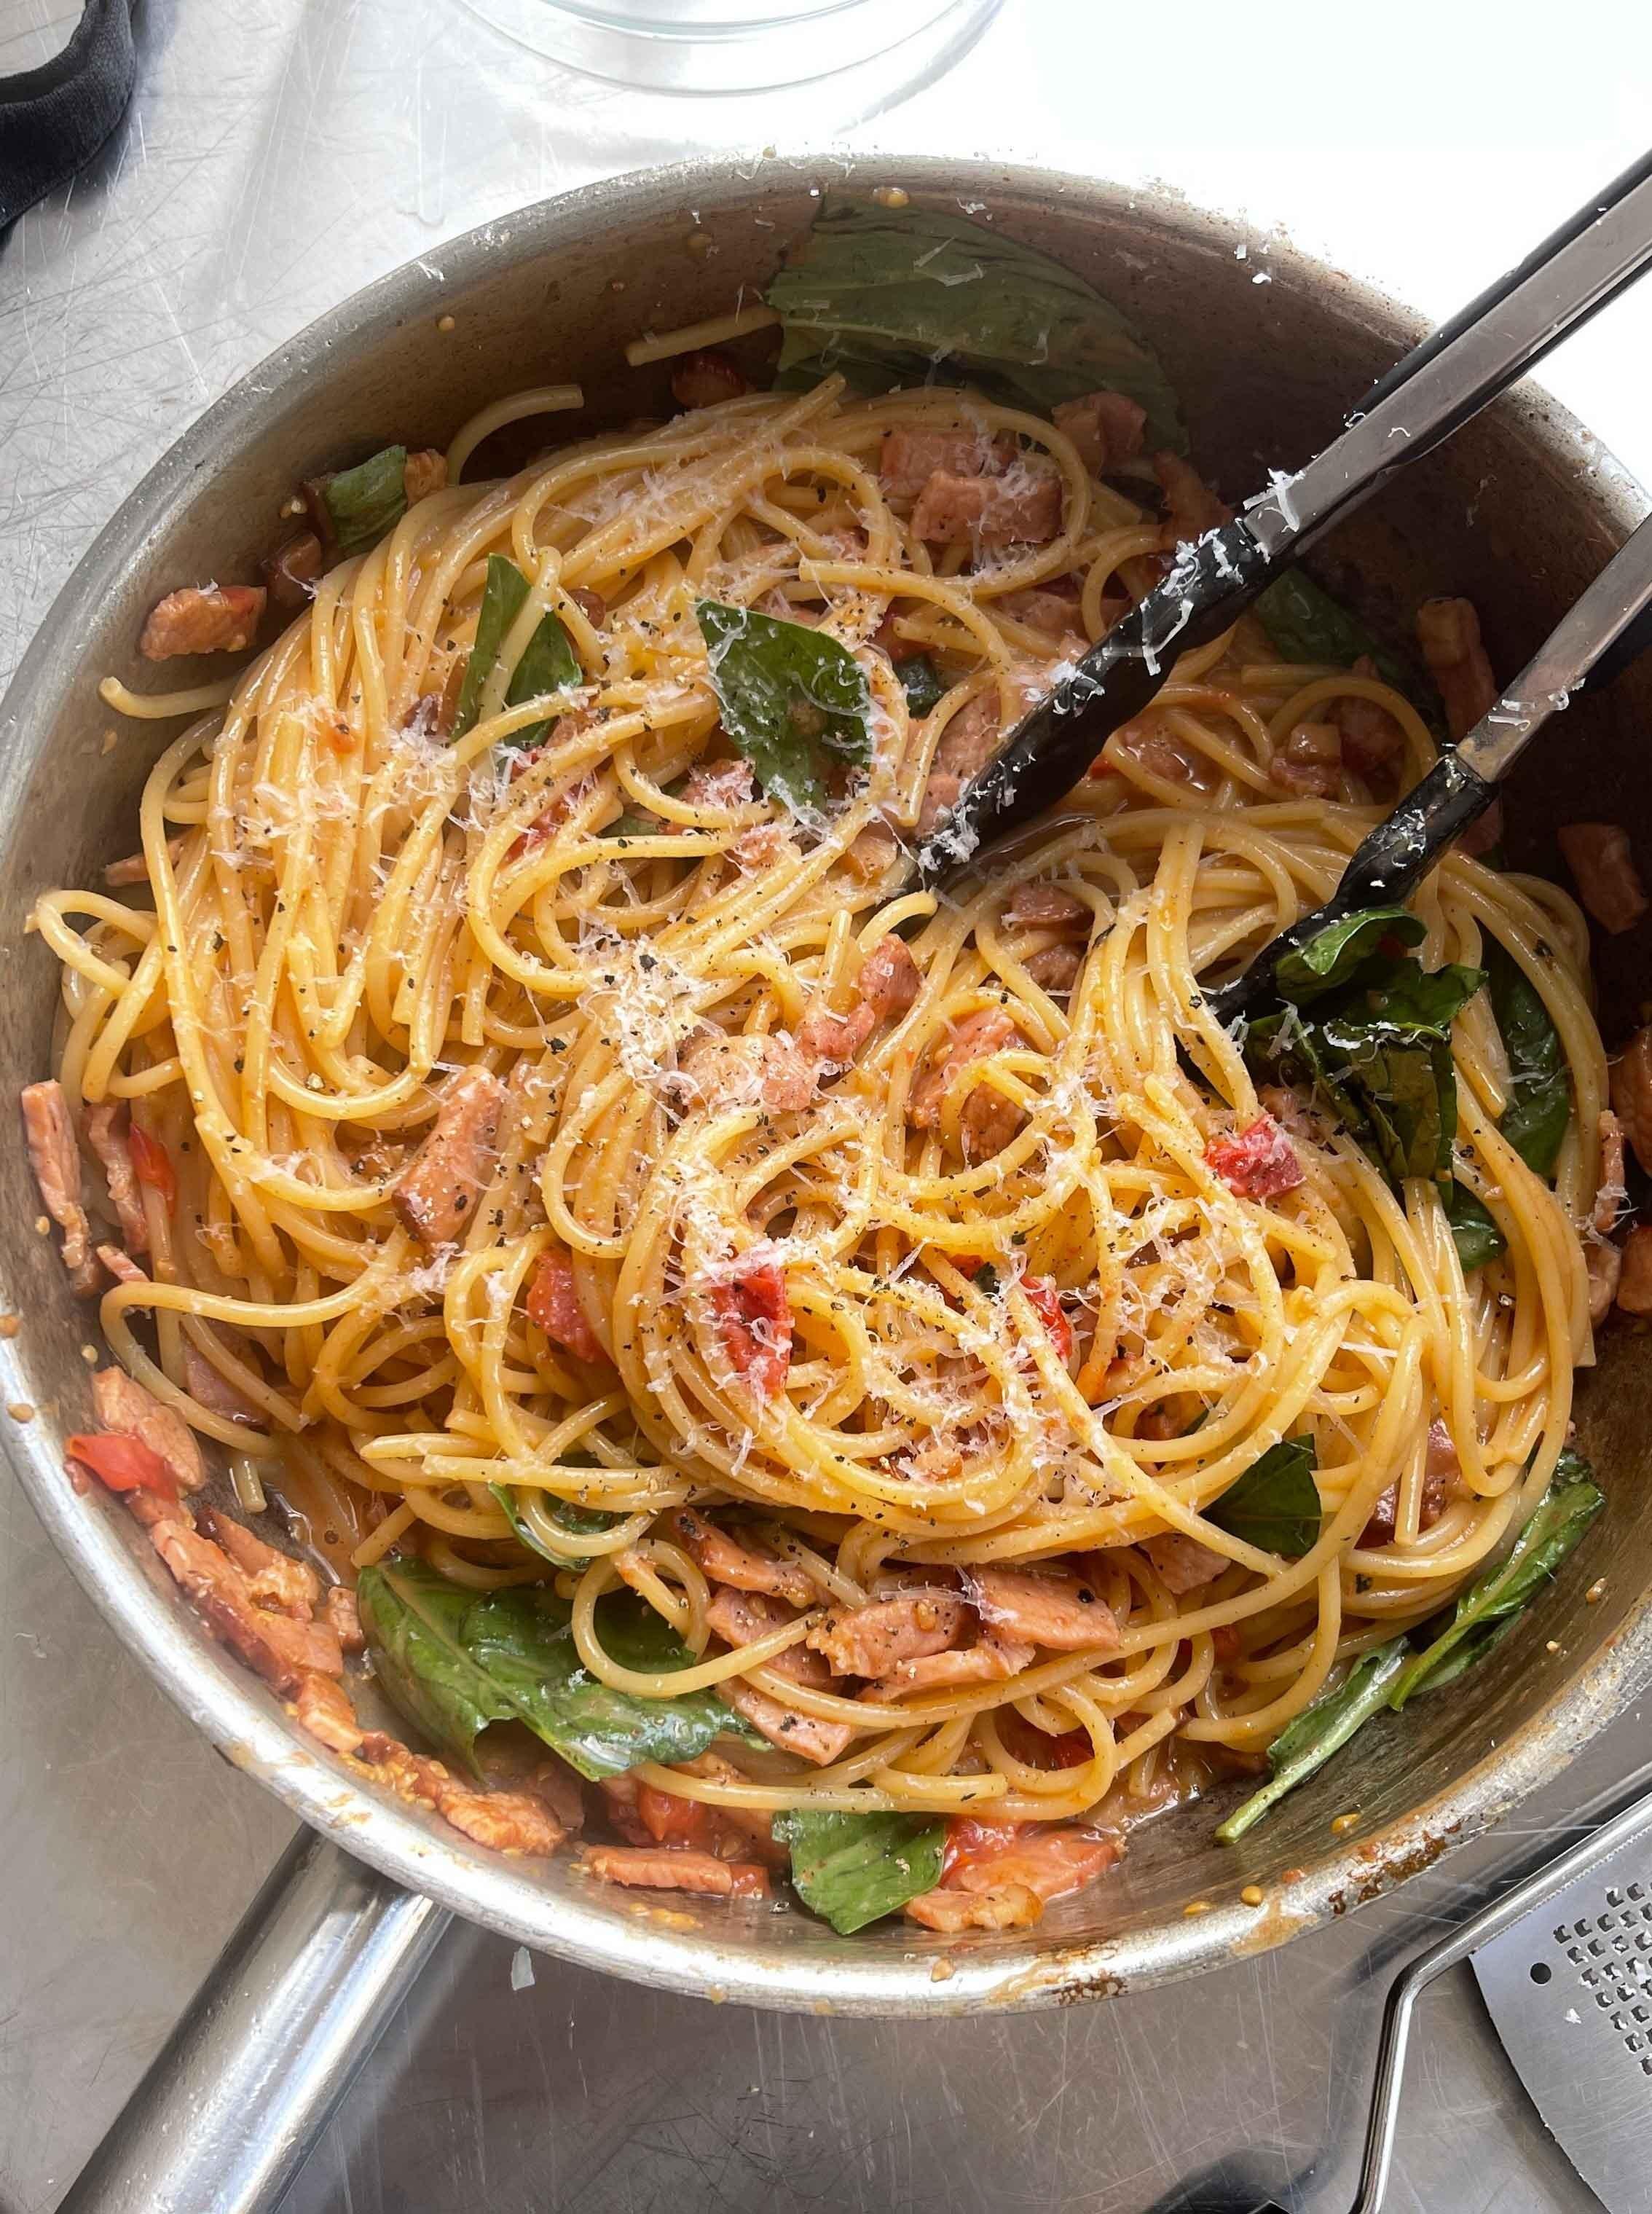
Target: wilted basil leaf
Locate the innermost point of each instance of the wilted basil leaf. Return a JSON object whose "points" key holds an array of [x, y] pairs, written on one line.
{"points": [[1335, 954], [1486, 1608], [1320, 1730], [854, 1869], [922, 681], [904, 297], [362, 504], [1540, 1092], [791, 697], [548, 664], [1274, 1505], [567, 1515], [1474, 1232], [1307, 624]]}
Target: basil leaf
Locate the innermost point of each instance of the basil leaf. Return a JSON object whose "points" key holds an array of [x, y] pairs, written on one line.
{"points": [[453, 1661], [854, 1869], [892, 298], [583, 1521], [1539, 1093], [1335, 954], [1323, 1726], [789, 694], [413, 1620], [986, 1279], [1275, 1503], [1474, 1232], [548, 664], [922, 681], [362, 504], [1307, 624], [1485, 1609]]}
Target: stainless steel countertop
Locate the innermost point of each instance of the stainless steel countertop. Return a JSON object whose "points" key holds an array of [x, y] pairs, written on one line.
{"points": [[280, 153]]}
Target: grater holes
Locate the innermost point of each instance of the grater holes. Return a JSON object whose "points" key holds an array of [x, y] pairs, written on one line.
{"points": [[1611, 1954]]}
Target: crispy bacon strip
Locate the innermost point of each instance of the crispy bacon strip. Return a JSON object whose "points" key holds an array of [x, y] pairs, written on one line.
{"points": [[1181, 1562], [106, 1134], [742, 1563], [658, 1868], [55, 1159], [1051, 1607], [436, 1194], [554, 1303], [875, 1639], [127, 1408], [203, 619]]}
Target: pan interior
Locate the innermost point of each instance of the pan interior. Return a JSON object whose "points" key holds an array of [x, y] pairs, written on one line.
{"points": [[1518, 513]]}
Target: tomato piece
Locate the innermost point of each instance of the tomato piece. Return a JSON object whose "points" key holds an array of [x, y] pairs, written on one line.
{"points": [[970, 1843], [670, 1819], [753, 1316], [1045, 1302], [122, 1463], [1258, 1162], [702, 380], [152, 1164], [552, 1302]]}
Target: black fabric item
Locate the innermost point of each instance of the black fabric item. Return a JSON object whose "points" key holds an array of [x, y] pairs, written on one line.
{"points": [[54, 118]]}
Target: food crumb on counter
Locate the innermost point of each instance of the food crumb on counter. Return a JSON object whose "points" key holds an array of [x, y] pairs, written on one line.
{"points": [[1252, 1894], [1596, 1592], [20, 1411], [942, 1971], [1341, 1822]]}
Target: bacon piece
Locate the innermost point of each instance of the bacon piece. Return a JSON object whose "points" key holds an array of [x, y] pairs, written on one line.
{"points": [[504, 1822], [1182, 1564], [323, 1709], [754, 1318], [702, 379], [1039, 906], [1603, 1265], [1603, 868], [1021, 508], [122, 1266], [967, 744], [214, 1391], [744, 1563], [888, 984], [872, 853], [874, 1639], [54, 1156], [1191, 507], [134, 869], [203, 619], [1142, 744], [128, 1408], [1372, 740], [1002, 1875], [273, 1578], [340, 1614], [992, 1659], [1107, 427], [1449, 631], [657, 1869], [739, 1618], [1441, 1471], [105, 1134], [1631, 1094], [1309, 763], [1051, 615], [1052, 1607], [437, 1193], [289, 573], [425, 471], [1635, 1282], [719, 784], [910, 458], [1258, 1162], [279, 1649], [1057, 968], [1610, 1194], [1291, 1111], [554, 1305], [987, 1031], [753, 1069]]}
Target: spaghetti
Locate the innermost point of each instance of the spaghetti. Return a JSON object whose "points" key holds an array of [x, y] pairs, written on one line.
{"points": [[909, 1226]]}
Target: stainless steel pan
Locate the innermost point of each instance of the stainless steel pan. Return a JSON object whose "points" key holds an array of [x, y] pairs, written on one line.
{"points": [[1519, 512]]}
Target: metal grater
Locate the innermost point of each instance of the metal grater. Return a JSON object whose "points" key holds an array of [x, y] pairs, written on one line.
{"points": [[1569, 1988]]}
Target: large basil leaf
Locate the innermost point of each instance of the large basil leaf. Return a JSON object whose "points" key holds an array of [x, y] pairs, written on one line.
{"points": [[792, 699], [923, 682], [910, 297], [1540, 1092], [1320, 1730], [854, 1869], [1335, 954], [1274, 1505], [548, 664], [362, 504], [578, 1521], [1307, 624], [1486, 1608], [1474, 1232], [453, 1662]]}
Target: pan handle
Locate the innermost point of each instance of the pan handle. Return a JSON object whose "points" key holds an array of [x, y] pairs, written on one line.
{"points": [[272, 2041]]}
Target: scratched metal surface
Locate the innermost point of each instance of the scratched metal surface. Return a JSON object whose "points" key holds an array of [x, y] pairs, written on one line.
{"points": [[280, 154]]}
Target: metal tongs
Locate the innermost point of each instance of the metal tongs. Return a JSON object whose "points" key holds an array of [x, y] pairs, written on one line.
{"points": [[1436, 387]]}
